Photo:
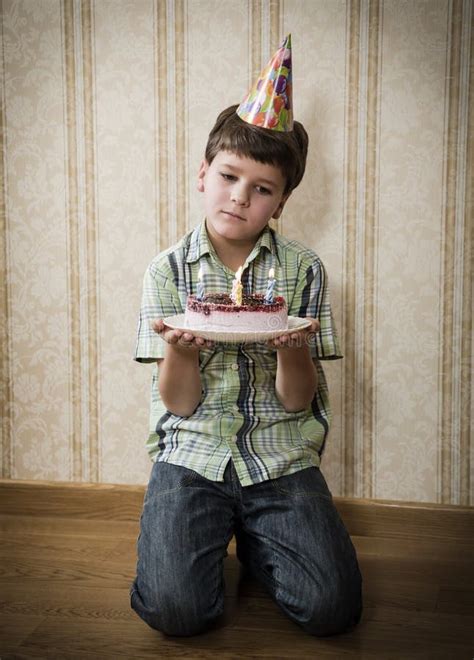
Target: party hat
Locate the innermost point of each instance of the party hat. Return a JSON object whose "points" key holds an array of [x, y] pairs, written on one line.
{"points": [[269, 104]]}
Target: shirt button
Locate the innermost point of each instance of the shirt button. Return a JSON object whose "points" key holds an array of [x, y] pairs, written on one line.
{"points": [[235, 409], [235, 438], [234, 366]]}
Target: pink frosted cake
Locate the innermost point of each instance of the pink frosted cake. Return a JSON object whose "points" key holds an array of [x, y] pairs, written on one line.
{"points": [[217, 312]]}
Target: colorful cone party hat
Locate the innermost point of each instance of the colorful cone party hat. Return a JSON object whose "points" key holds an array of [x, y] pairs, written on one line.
{"points": [[269, 104]]}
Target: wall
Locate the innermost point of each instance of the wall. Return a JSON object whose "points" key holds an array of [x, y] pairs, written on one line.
{"points": [[106, 105]]}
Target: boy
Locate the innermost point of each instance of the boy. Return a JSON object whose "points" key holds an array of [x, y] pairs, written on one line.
{"points": [[238, 430]]}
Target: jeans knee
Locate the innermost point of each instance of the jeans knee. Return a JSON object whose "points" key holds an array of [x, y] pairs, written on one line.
{"points": [[333, 612], [324, 610], [174, 614]]}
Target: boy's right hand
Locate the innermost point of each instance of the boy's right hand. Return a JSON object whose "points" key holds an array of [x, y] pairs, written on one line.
{"points": [[179, 337]]}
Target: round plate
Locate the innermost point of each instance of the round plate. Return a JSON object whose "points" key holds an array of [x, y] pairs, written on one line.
{"points": [[242, 337]]}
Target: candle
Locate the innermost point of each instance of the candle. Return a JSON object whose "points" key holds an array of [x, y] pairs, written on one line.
{"points": [[270, 286], [236, 294], [200, 285]]}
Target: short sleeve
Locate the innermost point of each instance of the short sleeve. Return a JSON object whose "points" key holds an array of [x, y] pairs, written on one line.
{"points": [[311, 298], [159, 299]]}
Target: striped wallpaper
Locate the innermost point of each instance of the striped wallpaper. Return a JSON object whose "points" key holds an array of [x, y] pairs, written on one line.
{"points": [[105, 108]]}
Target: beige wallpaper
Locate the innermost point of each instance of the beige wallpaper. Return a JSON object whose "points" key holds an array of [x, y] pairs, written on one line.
{"points": [[106, 105]]}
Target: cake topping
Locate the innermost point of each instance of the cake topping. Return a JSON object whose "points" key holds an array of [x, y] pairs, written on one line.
{"points": [[223, 302]]}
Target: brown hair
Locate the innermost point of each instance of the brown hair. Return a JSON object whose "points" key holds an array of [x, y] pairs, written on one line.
{"points": [[287, 151]]}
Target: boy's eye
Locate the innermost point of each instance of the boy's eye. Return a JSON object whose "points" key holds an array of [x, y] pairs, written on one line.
{"points": [[228, 177], [263, 191]]}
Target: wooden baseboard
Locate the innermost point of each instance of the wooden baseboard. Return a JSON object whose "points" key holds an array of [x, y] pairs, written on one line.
{"points": [[70, 499], [362, 517]]}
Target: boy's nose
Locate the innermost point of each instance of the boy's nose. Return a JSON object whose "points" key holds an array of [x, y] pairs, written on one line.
{"points": [[239, 195]]}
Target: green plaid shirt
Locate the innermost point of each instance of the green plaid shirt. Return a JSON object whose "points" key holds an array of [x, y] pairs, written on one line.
{"points": [[239, 416]]}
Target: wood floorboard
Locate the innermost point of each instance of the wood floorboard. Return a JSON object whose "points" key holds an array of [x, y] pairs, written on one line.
{"points": [[381, 571], [55, 637], [88, 573], [53, 547], [14, 629], [458, 600], [64, 593], [81, 603]]}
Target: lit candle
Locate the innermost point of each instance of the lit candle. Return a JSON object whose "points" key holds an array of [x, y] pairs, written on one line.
{"points": [[236, 294], [270, 286], [200, 285]]}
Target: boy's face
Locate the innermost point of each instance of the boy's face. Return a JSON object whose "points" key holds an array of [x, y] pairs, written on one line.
{"points": [[241, 195]]}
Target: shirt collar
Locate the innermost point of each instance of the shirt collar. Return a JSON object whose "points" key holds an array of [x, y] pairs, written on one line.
{"points": [[200, 244], [265, 241]]}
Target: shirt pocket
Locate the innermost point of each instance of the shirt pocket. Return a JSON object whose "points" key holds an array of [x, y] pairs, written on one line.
{"points": [[205, 356]]}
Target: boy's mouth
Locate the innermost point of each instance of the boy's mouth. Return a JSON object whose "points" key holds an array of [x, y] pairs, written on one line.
{"points": [[233, 215]]}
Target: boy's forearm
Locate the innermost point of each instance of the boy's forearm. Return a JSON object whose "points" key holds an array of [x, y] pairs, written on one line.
{"points": [[179, 380], [296, 378]]}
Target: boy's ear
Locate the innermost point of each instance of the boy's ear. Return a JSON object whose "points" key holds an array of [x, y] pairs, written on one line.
{"points": [[203, 167], [281, 206]]}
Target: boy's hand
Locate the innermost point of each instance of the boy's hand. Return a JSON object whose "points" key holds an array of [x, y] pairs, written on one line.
{"points": [[296, 339], [179, 337]]}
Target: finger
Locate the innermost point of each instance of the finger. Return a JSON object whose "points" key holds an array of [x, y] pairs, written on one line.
{"points": [[173, 337], [157, 326]]}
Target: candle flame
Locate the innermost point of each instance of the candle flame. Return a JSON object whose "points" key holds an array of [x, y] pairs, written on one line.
{"points": [[271, 273]]}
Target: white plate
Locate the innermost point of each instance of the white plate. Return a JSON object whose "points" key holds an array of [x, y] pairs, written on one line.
{"points": [[243, 337]]}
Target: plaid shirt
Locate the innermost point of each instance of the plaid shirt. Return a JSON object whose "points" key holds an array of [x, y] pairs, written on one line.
{"points": [[239, 416]]}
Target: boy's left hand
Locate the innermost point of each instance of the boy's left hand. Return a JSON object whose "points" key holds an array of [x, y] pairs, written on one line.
{"points": [[296, 339]]}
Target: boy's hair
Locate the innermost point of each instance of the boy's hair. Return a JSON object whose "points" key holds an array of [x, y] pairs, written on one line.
{"points": [[287, 151]]}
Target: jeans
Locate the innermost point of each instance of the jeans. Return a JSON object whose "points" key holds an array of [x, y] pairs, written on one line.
{"points": [[288, 535]]}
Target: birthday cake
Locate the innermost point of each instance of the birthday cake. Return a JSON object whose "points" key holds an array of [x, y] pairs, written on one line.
{"points": [[218, 312]]}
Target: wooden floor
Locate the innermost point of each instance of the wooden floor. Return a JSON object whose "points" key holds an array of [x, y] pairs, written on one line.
{"points": [[64, 585]]}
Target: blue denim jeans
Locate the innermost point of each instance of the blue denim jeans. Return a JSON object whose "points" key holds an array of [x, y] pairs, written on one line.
{"points": [[288, 534]]}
